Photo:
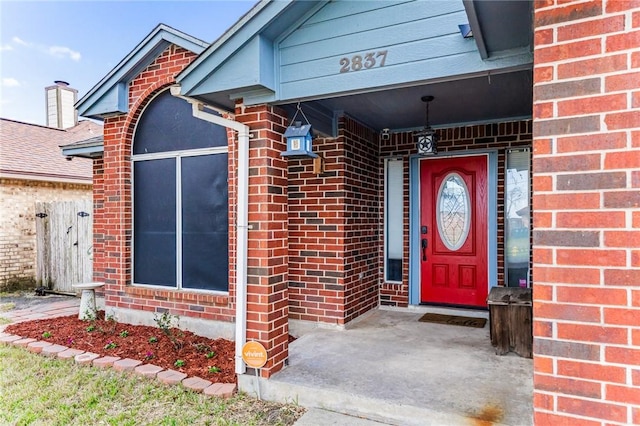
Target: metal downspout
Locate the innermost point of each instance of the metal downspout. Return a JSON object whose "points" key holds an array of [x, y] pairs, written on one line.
{"points": [[242, 225]]}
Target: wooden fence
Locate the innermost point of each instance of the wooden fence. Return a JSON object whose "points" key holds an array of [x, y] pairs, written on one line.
{"points": [[64, 244]]}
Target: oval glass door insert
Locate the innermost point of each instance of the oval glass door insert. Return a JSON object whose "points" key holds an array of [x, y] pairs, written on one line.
{"points": [[453, 211]]}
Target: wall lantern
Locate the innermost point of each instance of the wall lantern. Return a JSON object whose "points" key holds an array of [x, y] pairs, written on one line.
{"points": [[465, 30], [427, 139], [299, 138]]}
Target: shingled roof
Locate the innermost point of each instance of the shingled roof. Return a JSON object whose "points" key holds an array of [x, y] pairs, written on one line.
{"points": [[31, 151]]}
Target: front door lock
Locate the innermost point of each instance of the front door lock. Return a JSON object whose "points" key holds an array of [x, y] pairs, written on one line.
{"points": [[424, 249]]}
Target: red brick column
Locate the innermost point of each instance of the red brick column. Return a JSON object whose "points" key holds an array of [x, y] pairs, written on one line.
{"points": [[586, 204], [112, 218], [267, 291]]}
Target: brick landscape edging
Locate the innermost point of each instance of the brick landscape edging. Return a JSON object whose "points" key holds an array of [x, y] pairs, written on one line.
{"points": [[193, 384]]}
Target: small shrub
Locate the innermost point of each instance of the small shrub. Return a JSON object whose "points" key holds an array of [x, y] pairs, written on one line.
{"points": [[111, 323], [179, 363], [210, 354], [110, 345], [167, 323], [148, 356], [153, 339], [124, 333], [201, 347], [46, 335], [91, 328], [214, 370]]}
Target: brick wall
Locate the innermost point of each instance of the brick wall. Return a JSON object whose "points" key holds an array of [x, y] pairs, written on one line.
{"points": [[268, 258], [587, 212], [18, 227], [113, 207], [336, 218], [334, 228], [500, 137], [316, 235]]}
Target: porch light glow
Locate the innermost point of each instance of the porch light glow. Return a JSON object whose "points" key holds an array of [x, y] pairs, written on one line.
{"points": [[427, 138]]}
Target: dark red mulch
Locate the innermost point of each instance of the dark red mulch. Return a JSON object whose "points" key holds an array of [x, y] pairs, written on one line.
{"points": [[190, 348]]}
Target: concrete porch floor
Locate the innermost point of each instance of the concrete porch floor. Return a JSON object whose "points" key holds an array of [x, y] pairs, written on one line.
{"points": [[391, 368]]}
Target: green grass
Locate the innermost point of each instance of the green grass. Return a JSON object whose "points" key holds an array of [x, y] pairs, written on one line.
{"points": [[41, 390], [6, 307]]}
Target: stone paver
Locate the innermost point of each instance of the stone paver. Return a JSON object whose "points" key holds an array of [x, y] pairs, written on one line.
{"points": [[221, 390], [86, 358], [196, 384], [148, 370], [171, 377], [9, 338], [126, 364], [53, 350], [23, 342], [105, 361], [70, 353], [227, 390], [36, 347]]}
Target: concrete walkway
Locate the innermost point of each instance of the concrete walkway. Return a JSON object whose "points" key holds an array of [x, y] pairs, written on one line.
{"points": [[393, 369], [45, 308], [386, 368]]}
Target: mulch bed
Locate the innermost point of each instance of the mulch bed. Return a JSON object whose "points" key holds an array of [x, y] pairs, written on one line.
{"points": [[99, 336]]}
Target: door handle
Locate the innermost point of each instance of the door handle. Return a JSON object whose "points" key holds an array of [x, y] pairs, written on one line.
{"points": [[424, 249]]}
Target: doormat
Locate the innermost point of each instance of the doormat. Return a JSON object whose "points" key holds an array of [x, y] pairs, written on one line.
{"points": [[454, 320]]}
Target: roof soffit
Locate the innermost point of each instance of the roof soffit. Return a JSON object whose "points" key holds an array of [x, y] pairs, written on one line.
{"points": [[266, 22], [496, 36], [110, 95]]}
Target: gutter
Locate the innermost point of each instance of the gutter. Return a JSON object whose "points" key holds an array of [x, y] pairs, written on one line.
{"points": [[242, 209]]}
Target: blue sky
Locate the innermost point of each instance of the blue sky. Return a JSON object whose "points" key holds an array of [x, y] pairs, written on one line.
{"points": [[81, 41]]}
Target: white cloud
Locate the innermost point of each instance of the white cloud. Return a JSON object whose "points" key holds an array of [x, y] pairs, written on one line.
{"points": [[55, 51], [6, 47], [18, 40], [62, 51], [10, 82]]}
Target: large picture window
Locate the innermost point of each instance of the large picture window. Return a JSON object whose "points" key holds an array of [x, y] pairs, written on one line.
{"points": [[180, 199]]}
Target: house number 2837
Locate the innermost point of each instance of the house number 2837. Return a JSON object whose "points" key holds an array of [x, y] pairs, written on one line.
{"points": [[366, 61]]}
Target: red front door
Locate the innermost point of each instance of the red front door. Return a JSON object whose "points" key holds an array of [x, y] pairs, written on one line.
{"points": [[453, 231]]}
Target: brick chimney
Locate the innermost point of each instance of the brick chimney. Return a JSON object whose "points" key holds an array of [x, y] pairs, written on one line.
{"points": [[61, 100]]}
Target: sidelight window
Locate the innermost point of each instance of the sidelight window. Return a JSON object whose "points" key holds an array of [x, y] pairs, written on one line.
{"points": [[518, 218], [393, 214]]}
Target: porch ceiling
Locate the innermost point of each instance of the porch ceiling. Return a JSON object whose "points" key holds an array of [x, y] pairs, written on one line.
{"points": [[482, 98]]}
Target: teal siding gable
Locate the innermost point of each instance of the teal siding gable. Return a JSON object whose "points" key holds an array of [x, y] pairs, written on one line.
{"points": [[249, 69], [283, 52], [197, 77], [348, 47], [111, 94], [113, 100]]}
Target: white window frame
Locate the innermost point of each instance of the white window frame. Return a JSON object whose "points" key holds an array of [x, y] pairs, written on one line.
{"points": [[178, 156]]}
